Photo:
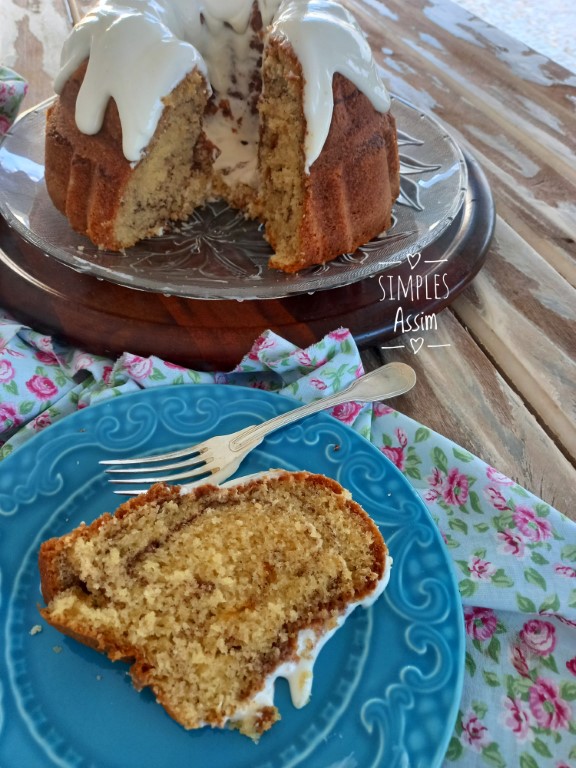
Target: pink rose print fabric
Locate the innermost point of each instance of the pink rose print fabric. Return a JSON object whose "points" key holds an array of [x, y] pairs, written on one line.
{"points": [[513, 555], [12, 90]]}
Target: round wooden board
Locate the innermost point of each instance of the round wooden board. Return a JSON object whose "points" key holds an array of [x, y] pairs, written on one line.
{"points": [[108, 319]]}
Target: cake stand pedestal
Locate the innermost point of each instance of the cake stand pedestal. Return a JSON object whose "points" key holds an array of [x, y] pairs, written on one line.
{"points": [[108, 319]]}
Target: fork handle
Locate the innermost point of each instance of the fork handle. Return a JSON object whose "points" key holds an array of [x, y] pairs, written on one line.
{"points": [[387, 381]]}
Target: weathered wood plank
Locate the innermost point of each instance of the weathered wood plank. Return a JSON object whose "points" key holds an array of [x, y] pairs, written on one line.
{"points": [[511, 107], [524, 315], [461, 395], [32, 36], [505, 386]]}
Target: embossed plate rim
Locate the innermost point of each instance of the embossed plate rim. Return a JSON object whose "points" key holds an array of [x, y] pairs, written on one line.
{"points": [[43, 501]]}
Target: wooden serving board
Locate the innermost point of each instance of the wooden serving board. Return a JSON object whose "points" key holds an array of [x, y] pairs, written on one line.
{"points": [[108, 319]]}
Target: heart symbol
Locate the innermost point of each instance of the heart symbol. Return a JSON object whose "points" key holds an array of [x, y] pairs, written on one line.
{"points": [[416, 344], [413, 259]]}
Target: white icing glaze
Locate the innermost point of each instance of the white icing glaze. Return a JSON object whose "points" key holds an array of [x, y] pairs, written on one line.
{"points": [[327, 39], [299, 673], [138, 55], [139, 50]]}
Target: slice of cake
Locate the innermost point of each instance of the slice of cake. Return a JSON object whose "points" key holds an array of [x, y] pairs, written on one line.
{"points": [[116, 202], [214, 593]]}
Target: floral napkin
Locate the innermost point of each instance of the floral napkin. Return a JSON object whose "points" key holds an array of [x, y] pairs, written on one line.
{"points": [[12, 90], [513, 554]]}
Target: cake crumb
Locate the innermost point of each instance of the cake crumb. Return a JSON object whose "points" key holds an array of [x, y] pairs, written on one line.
{"points": [[57, 648], [36, 629], [281, 544]]}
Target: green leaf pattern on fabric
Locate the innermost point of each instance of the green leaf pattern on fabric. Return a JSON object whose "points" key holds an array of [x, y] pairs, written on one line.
{"points": [[13, 88], [514, 556]]}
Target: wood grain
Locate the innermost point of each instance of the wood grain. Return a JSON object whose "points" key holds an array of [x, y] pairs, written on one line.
{"points": [[461, 395], [516, 110], [525, 319], [505, 387], [109, 319]]}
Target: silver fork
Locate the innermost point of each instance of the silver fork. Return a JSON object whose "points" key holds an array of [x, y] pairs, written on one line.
{"points": [[220, 456]]}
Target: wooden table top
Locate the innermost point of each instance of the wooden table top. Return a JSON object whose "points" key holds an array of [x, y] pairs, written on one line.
{"points": [[498, 373]]}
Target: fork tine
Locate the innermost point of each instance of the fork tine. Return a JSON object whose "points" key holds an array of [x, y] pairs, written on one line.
{"points": [[198, 472], [190, 451], [131, 492], [138, 491], [197, 459], [210, 475]]}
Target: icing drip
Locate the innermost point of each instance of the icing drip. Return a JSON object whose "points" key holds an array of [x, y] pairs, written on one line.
{"points": [[299, 673], [138, 54], [139, 50], [327, 39]]}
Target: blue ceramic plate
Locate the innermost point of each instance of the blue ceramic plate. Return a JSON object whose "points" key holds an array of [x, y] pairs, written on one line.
{"points": [[386, 687]]}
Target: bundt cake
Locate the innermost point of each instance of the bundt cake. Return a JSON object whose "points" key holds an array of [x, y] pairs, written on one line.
{"points": [[214, 593], [275, 107]]}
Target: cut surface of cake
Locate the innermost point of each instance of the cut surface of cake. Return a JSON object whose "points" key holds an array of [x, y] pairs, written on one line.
{"points": [[213, 593], [275, 107]]}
